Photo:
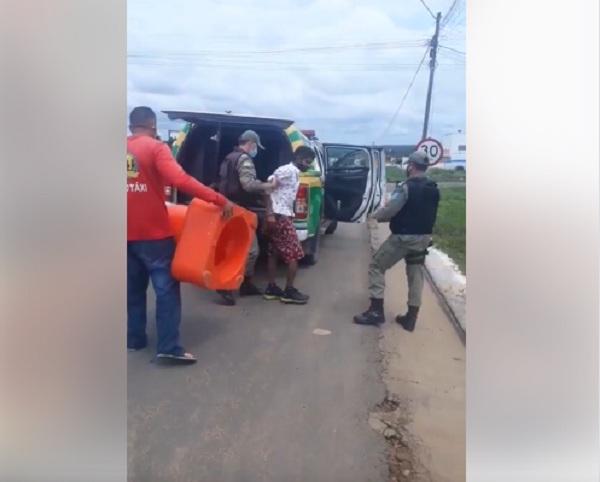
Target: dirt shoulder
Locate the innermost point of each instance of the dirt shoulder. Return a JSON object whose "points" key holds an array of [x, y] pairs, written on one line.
{"points": [[423, 415]]}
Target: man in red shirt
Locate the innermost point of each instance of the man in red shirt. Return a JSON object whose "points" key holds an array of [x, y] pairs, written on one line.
{"points": [[150, 244]]}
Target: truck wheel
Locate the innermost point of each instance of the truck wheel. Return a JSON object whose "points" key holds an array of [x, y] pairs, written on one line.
{"points": [[312, 256], [331, 228]]}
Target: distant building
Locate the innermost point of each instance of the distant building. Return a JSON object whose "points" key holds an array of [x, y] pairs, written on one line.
{"points": [[455, 152], [395, 154]]}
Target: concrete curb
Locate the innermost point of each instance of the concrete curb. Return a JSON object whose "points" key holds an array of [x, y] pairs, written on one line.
{"points": [[450, 285]]}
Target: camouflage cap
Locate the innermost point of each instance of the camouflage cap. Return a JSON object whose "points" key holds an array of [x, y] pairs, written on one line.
{"points": [[252, 137], [418, 157]]}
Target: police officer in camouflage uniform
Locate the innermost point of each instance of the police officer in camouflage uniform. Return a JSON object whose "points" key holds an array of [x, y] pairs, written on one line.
{"points": [[411, 212], [238, 182]]}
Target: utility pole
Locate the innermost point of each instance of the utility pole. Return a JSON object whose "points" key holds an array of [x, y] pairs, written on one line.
{"points": [[433, 55]]}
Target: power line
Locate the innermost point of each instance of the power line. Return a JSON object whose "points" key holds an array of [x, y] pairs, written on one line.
{"points": [[248, 67], [453, 50], [452, 55], [448, 14], [453, 23], [456, 63], [368, 46], [450, 11], [427, 7], [252, 62], [185, 59], [454, 36], [456, 18], [405, 95]]}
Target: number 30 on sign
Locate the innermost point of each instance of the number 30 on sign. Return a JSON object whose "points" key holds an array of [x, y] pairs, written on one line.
{"points": [[433, 148]]}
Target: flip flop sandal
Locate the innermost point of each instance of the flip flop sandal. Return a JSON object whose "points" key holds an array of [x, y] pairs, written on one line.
{"points": [[183, 359]]}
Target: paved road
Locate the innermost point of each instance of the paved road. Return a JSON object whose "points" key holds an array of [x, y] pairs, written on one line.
{"points": [[268, 400]]}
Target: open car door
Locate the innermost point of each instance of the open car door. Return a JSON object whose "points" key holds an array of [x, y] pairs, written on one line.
{"points": [[354, 181]]}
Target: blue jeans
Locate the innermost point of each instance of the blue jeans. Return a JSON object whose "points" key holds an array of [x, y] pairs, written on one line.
{"points": [[151, 260]]}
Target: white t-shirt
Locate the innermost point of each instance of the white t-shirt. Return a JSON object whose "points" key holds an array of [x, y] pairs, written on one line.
{"points": [[283, 197]]}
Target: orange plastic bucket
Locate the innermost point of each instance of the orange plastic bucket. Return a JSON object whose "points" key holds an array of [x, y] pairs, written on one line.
{"points": [[177, 213], [211, 252]]}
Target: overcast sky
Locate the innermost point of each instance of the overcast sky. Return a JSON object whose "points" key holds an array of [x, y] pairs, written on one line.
{"points": [[309, 61]]}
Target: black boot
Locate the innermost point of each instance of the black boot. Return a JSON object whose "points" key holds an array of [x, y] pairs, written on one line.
{"points": [[409, 319], [373, 316], [248, 288]]}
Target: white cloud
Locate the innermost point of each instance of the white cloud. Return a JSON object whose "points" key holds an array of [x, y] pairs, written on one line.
{"points": [[332, 91]]}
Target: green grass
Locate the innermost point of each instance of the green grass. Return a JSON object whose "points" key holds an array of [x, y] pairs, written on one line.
{"points": [[449, 233], [396, 174]]}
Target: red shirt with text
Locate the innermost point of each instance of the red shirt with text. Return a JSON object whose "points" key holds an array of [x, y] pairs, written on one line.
{"points": [[150, 166]]}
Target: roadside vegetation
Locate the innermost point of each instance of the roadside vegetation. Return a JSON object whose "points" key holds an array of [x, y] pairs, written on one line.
{"points": [[449, 233], [397, 174]]}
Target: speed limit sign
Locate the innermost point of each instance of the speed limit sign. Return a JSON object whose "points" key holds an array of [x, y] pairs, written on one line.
{"points": [[433, 148]]}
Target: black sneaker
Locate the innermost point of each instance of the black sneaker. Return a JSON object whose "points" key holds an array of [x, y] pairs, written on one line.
{"points": [[370, 317], [249, 289], [293, 296], [273, 292], [227, 297]]}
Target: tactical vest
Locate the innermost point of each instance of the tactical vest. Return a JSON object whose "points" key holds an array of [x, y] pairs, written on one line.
{"points": [[418, 215], [230, 185]]}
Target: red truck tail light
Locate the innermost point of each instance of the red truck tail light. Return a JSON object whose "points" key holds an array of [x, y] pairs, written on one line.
{"points": [[301, 205]]}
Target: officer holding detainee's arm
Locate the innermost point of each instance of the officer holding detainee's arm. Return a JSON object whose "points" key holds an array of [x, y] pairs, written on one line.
{"points": [[411, 212], [239, 183]]}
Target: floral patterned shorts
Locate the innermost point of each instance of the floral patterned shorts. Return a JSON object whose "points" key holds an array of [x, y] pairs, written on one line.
{"points": [[283, 240]]}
